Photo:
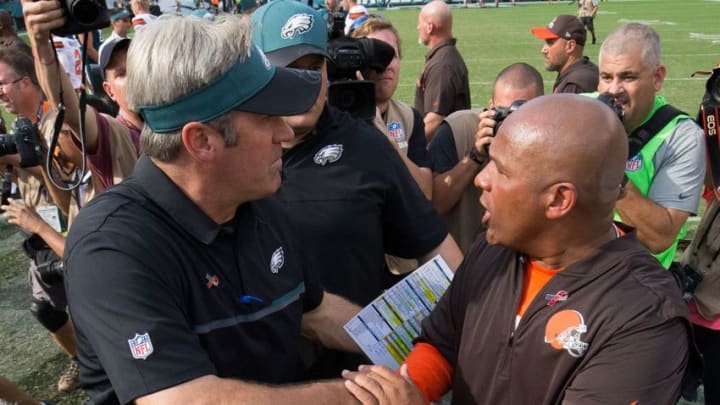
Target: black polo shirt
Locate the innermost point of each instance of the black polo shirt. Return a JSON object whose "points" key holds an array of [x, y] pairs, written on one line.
{"points": [[443, 86], [352, 199], [160, 294]]}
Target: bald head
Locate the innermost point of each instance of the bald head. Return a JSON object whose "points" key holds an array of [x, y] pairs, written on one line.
{"points": [[439, 15], [590, 152], [518, 81]]}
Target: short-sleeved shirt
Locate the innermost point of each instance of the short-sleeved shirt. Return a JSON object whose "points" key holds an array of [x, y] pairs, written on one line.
{"points": [[679, 168], [443, 85], [455, 138], [161, 294], [581, 77]]}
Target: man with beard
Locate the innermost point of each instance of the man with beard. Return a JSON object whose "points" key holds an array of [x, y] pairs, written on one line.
{"points": [[564, 43]]}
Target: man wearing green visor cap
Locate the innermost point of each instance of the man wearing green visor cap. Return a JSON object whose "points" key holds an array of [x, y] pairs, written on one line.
{"points": [[182, 287]]}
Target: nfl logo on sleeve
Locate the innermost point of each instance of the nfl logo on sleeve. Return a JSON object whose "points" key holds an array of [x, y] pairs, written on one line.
{"points": [[141, 346]]}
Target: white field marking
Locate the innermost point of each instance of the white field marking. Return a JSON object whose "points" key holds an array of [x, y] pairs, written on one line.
{"points": [[713, 38], [647, 22], [487, 83]]}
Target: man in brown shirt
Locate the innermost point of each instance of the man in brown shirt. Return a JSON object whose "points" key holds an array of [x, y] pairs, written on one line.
{"points": [[443, 85], [563, 49]]}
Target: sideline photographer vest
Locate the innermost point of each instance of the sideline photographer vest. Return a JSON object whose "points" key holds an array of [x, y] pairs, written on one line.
{"points": [[703, 256], [400, 124], [464, 219], [640, 169]]}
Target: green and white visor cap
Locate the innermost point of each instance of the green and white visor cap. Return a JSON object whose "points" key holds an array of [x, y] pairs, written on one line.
{"points": [[253, 85], [287, 30]]}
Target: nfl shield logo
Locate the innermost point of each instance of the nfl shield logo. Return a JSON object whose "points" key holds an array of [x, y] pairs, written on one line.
{"points": [[634, 164], [141, 346]]}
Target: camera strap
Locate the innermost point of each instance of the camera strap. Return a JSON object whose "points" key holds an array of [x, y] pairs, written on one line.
{"points": [[645, 132], [707, 118]]}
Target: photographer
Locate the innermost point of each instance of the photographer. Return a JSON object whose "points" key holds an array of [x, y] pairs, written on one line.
{"points": [[458, 151], [401, 123], [21, 95], [111, 144], [666, 175], [347, 191]]}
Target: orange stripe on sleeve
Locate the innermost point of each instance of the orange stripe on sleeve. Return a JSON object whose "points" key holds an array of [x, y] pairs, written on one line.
{"points": [[430, 371]]}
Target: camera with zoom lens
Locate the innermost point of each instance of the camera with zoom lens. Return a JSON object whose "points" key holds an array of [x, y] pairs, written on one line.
{"points": [[502, 113], [52, 272], [347, 56], [610, 101], [24, 139], [83, 16]]}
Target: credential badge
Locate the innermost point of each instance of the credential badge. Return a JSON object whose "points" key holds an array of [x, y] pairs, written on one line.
{"points": [[328, 154], [277, 260], [141, 346]]}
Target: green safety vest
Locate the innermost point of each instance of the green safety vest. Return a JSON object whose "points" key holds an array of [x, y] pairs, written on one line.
{"points": [[640, 169]]}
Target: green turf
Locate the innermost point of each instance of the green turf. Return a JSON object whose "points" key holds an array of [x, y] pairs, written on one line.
{"points": [[490, 39]]}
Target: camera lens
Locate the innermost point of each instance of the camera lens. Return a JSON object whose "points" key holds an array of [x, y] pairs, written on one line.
{"points": [[7, 145], [53, 272], [84, 11]]}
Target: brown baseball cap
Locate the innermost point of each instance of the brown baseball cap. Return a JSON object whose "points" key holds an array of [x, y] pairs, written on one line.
{"points": [[563, 26]]}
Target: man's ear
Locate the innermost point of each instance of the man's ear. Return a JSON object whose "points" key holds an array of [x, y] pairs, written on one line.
{"points": [[561, 198], [199, 140], [108, 91], [659, 77]]}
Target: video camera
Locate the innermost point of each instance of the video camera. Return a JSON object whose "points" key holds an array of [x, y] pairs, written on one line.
{"points": [[83, 16], [347, 56], [23, 139]]}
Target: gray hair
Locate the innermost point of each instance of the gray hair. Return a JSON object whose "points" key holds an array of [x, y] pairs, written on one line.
{"points": [[175, 56], [628, 37]]}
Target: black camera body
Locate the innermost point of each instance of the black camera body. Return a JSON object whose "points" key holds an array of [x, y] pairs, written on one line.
{"points": [[609, 100], [83, 16], [336, 25], [52, 272], [502, 113], [347, 56], [23, 139]]}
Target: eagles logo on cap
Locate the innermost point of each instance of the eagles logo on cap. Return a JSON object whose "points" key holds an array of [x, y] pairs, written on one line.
{"points": [[297, 24]]}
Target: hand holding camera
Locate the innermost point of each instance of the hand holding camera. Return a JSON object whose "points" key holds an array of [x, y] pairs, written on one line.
{"points": [[490, 121], [485, 133]]}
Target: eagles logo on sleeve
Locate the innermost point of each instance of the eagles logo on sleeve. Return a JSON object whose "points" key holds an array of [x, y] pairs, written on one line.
{"points": [[297, 24]]}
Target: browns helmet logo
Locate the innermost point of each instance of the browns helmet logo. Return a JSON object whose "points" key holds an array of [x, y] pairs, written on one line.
{"points": [[563, 331], [297, 24]]}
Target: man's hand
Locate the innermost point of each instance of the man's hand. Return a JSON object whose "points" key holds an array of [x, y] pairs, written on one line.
{"points": [[17, 213], [378, 385], [484, 134], [41, 17]]}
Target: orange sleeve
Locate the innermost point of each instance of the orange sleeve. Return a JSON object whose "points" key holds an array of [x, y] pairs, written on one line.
{"points": [[429, 371]]}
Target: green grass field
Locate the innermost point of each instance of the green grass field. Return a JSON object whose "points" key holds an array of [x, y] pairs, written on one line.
{"points": [[489, 39]]}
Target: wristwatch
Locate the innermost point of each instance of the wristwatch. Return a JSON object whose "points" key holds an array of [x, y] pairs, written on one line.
{"points": [[475, 158]]}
